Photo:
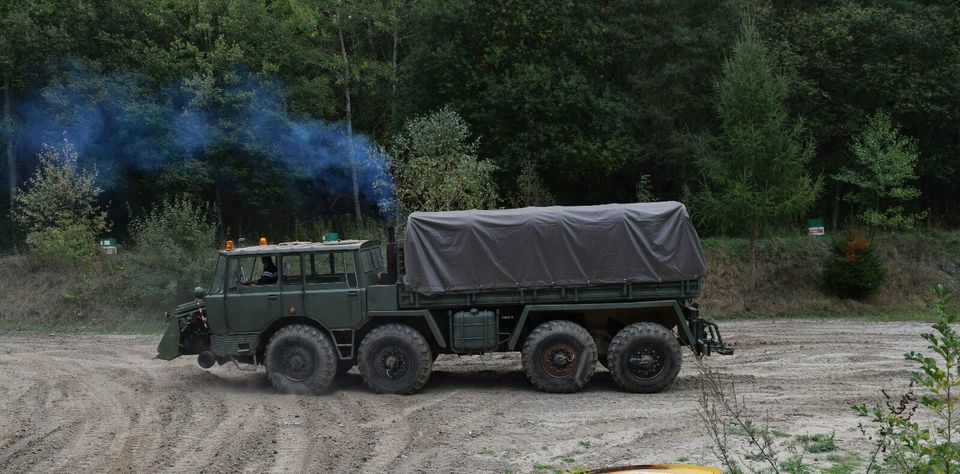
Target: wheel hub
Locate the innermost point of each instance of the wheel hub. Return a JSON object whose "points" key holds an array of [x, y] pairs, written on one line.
{"points": [[646, 362], [559, 359], [296, 363], [392, 363]]}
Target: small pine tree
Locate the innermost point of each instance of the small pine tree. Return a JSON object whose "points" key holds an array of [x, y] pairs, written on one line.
{"points": [[884, 176], [645, 189], [530, 189], [755, 171], [854, 270]]}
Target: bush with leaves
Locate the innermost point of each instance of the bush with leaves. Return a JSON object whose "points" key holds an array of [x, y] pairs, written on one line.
{"points": [[854, 270], [57, 208], [435, 166], [904, 444], [884, 176], [175, 246]]}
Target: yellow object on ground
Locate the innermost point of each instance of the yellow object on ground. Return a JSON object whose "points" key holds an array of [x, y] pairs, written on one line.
{"points": [[658, 469]]}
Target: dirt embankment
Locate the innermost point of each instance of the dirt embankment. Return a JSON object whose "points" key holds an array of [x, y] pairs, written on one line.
{"points": [[101, 403]]}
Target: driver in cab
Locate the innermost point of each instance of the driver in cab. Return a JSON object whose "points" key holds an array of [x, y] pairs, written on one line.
{"points": [[269, 274]]}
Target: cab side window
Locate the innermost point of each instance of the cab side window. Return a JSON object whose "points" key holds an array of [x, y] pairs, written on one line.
{"points": [[330, 268], [347, 266], [290, 270], [249, 272]]}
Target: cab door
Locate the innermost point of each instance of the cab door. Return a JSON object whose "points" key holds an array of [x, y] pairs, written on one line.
{"points": [[250, 305], [331, 293], [291, 285]]}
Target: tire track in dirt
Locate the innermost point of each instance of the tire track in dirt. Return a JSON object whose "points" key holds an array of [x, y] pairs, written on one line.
{"points": [[102, 404]]}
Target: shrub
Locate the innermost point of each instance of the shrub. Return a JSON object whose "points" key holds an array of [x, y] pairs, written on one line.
{"points": [[931, 445], [436, 167], [175, 244], [58, 210], [854, 270], [74, 244]]}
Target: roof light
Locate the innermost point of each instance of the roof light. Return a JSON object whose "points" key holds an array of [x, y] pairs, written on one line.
{"points": [[229, 245], [263, 241]]}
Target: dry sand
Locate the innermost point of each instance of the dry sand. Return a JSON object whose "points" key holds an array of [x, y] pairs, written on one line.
{"points": [[101, 403]]}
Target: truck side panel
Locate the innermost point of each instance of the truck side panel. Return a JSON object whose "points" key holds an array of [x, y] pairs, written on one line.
{"points": [[685, 289]]}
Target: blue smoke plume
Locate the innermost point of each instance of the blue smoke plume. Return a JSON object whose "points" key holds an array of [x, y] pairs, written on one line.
{"points": [[122, 120]]}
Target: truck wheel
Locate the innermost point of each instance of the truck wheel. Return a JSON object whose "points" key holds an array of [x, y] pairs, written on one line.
{"points": [[559, 357], [300, 359], [644, 357], [395, 359]]}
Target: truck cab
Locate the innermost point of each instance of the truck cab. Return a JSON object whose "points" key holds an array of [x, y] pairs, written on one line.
{"points": [[314, 282]]}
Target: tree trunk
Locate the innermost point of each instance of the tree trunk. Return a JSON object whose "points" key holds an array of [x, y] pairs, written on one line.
{"points": [[835, 218], [752, 249], [394, 86], [349, 118], [11, 157]]}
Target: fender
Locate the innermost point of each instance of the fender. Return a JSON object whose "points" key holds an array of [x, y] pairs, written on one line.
{"points": [[422, 313], [571, 308]]}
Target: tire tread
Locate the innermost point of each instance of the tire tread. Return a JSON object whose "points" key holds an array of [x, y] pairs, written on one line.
{"points": [[327, 365], [631, 332], [546, 329], [411, 335]]}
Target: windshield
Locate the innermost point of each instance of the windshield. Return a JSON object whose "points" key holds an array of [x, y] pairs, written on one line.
{"points": [[216, 287]]}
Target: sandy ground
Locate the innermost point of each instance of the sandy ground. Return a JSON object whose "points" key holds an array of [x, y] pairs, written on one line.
{"points": [[101, 403]]}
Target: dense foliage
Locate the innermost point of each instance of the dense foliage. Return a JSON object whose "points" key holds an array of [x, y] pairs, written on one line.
{"points": [[57, 208], [435, 166], [276, 111], [172, 242], [884, 177]]}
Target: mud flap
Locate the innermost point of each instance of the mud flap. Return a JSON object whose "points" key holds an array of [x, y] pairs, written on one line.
{"points": [[169, 347]]}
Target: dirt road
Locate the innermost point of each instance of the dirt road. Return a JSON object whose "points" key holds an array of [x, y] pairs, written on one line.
{"points": [[101, 403]]}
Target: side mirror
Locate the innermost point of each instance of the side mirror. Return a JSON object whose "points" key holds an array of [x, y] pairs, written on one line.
{"points": [[199, 292]]}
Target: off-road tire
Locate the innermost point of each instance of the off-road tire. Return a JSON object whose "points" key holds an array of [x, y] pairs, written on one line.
{"points": [[559, 339], [300, 359], [395, 358], [650, 344]]}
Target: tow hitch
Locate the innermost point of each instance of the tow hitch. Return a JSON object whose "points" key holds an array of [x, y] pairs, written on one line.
{"points": [[711, 340]]}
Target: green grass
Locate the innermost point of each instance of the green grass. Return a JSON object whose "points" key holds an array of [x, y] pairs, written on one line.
{"points": [[132, 327], [568, 459], [584, 443], [795, 465], [842, 462], [818, 443]]}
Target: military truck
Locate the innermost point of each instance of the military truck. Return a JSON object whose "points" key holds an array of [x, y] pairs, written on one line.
{"points": [[568, 287]]}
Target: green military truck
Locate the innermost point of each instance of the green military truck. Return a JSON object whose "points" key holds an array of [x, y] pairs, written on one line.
{"points": [[568, 287]]}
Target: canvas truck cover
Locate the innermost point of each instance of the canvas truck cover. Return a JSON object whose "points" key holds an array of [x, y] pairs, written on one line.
{"points": [[537, 247]]}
